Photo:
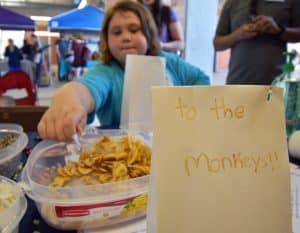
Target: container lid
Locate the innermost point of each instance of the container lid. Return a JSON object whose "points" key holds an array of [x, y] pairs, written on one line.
{"points": [[12, 141], [41, 169], [11, 217]]}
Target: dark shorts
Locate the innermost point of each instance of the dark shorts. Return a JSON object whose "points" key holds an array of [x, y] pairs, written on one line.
{"points": [[81, 64]]}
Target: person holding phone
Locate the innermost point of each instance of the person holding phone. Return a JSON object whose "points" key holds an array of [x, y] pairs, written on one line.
{"points": [[257, 32]]}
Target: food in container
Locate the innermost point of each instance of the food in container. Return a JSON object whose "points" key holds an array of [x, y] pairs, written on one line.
{"points": [[12, 205], [7, 140], [7, 195], [106, 183], [12, 142]]}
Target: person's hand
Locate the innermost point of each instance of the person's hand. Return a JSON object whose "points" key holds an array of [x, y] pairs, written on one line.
{"points": [[266, 24], [245, 31], [62, 120]]}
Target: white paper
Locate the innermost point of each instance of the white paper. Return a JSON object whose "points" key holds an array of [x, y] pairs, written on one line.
{"points": [[141, 73]]}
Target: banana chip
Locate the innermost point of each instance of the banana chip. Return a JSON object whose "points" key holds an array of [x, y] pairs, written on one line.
{"points": [[109, 160], [60, 181]]}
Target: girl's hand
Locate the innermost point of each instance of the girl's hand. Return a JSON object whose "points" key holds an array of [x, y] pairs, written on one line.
{"points": [[62, 120], [67, 114], [266, 24]]}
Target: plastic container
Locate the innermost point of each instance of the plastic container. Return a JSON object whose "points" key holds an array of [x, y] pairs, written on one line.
{"points": [[77, 206], [11, 217], [10, 154]]}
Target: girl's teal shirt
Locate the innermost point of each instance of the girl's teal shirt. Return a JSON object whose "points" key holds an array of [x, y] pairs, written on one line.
{"points": [[105, 82]]}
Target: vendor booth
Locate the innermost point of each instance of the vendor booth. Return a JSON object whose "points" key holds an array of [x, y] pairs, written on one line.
{"points": [[88, 18], [11, 20]]}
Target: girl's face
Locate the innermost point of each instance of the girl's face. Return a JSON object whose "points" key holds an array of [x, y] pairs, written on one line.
{"points": [[125, 36]]}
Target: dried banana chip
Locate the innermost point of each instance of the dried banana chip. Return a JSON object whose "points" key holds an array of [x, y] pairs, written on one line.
{"points": [[108, 160]]}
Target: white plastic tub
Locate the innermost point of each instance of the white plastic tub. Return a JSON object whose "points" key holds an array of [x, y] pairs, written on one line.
{"points": [[76, 206], [11, 217], [10, 155]]}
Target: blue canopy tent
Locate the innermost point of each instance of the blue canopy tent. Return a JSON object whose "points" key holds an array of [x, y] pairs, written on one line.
{"points": [[10, 20], [88, 18]]}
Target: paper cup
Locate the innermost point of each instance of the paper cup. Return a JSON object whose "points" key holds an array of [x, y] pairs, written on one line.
{"points": [[294, 145]]}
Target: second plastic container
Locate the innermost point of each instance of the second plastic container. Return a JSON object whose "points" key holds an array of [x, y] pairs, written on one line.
{"points": [[10, 150]]}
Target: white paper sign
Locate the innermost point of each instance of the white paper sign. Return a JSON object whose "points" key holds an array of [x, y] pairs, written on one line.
{"points": [[220, 161], [141, 73]]}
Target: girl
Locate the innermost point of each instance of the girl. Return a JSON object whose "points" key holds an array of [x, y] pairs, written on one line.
{"points": [[128, 28]]}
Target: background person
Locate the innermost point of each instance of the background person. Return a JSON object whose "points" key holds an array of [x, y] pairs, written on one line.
{"points": [[13, 53], [37, 59], [128, 28], [28, 50], [86, 56], [27, 63], [168, 25], [62, 47], [257, 31], [78, 45]]}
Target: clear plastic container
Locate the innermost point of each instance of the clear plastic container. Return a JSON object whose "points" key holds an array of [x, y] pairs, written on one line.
{"points": [[11, 217], [10, 154], [81, 206]]}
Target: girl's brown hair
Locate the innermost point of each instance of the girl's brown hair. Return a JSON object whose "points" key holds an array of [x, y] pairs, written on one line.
{"points": [[147, 23]]}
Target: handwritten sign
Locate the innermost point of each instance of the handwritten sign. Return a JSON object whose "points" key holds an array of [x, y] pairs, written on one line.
{"points": [[220, 111], [220, 161], [255, 163]]}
